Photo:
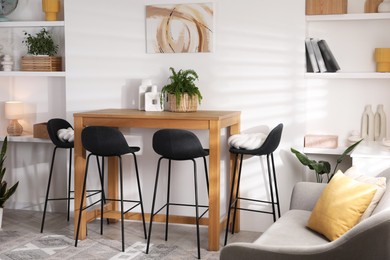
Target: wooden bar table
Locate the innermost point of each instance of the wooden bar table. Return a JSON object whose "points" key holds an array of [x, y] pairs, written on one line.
{"points": [[212, 121]]}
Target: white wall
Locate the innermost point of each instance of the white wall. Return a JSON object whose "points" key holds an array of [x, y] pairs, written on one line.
{"points": [[257, 67]]}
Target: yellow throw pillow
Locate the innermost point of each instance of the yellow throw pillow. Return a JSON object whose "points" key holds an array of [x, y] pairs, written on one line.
{"points": [[340, 206]]}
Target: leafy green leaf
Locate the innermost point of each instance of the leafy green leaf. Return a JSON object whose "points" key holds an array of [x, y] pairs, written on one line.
{"points": [[322, 167]]}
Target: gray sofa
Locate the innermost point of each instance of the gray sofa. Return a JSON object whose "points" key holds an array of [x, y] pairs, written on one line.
{"points": [[289, 238]]}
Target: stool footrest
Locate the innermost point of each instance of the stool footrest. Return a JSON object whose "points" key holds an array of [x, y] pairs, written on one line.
{"points": [[183, 205]]}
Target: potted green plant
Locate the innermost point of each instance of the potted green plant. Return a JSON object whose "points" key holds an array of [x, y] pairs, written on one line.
{"points": [[5, 193], [182, 93], [41, 51], [323, 167]]}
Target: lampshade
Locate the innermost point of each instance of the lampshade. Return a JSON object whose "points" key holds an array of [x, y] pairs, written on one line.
{"points": [[13, 109]]}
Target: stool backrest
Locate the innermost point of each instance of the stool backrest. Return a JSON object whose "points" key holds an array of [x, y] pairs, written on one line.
{"points": [[55, 124], [177, 144], [272, 141], [104, 141]]}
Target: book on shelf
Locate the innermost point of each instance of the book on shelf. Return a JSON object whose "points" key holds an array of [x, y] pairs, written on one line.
{"points": [[329, 59], [318, 55], [311, 61]]}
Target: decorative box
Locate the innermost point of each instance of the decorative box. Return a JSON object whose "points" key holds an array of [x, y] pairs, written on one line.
{"points": [[41, 63], [40, 131], [317, 7]]}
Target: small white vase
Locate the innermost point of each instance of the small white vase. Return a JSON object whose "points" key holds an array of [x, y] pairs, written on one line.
{"points": [[367, 130], [380, 124], [1, 217], [384, 7]]}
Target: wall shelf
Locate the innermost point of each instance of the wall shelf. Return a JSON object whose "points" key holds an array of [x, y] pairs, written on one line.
{"points": [[348, 75], [32, 74], [25, 138], [348, 17], [329, 151], [13, 24]]}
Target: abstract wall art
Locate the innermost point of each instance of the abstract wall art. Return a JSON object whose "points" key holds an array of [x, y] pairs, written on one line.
{"points": [[179, 28]]}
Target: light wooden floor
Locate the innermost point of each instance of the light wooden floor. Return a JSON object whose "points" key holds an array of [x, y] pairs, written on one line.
{"points": [[180, 235]]}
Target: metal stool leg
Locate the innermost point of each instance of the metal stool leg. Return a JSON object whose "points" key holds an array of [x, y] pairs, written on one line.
{"points": [[196, 208], [82, 201], [153, 202], [122, 217], [168, 197], [231, 199], [103, 197], [206, 173], [237, 190], [69, 181], [140, 194], [271, 189], [48, 188], [276, 184]]}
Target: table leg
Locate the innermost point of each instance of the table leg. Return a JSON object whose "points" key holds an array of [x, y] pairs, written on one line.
{"points": [[113, 185], [214, 179], [79, 171]]}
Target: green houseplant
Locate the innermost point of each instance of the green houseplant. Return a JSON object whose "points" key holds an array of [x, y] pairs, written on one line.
{"points": [[41, 51], [183, 95], [5, 193], [40, 44], [323, 167]]}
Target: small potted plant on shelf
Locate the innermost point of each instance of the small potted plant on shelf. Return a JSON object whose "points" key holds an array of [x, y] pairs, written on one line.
{"points": [[41, 51], [182, 93], [5, 193], [322, 168]]}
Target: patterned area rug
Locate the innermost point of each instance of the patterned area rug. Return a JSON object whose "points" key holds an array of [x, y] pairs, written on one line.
{"points": [[15, 245]]}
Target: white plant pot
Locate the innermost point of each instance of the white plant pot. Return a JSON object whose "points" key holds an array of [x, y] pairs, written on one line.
{"points": [[1, 216]]}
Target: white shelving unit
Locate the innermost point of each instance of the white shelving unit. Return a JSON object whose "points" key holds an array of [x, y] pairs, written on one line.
{"points": [[341, 18], [342, 95], [42, 92]]}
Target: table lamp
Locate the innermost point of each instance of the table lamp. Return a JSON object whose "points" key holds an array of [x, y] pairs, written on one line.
{"points": [[14, 111]]}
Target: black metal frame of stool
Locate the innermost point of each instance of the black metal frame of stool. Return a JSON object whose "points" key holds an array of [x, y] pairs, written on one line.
{"points": [[53, 125], [102, 141], [177, 145], [267, 148]]}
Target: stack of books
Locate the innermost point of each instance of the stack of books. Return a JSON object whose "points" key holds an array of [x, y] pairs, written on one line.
{"points": [[319, 57]]}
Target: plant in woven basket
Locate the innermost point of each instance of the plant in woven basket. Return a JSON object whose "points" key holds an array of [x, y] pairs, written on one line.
{"points": [[181, 83], [40, 44], [4, 192]]}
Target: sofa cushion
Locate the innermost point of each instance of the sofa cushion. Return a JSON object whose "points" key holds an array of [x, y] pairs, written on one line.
{"points": [[341, 205], [291, 230], [380, 183]]}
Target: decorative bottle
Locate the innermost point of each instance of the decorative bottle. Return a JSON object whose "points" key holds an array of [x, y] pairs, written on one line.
{"points": [[368, 124], [146, 86], [379, 123], [152, 100]]}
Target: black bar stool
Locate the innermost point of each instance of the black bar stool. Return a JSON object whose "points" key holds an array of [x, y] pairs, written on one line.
{"points": [[106, 142], [267, 148], [177, 145], [53, 125]]}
